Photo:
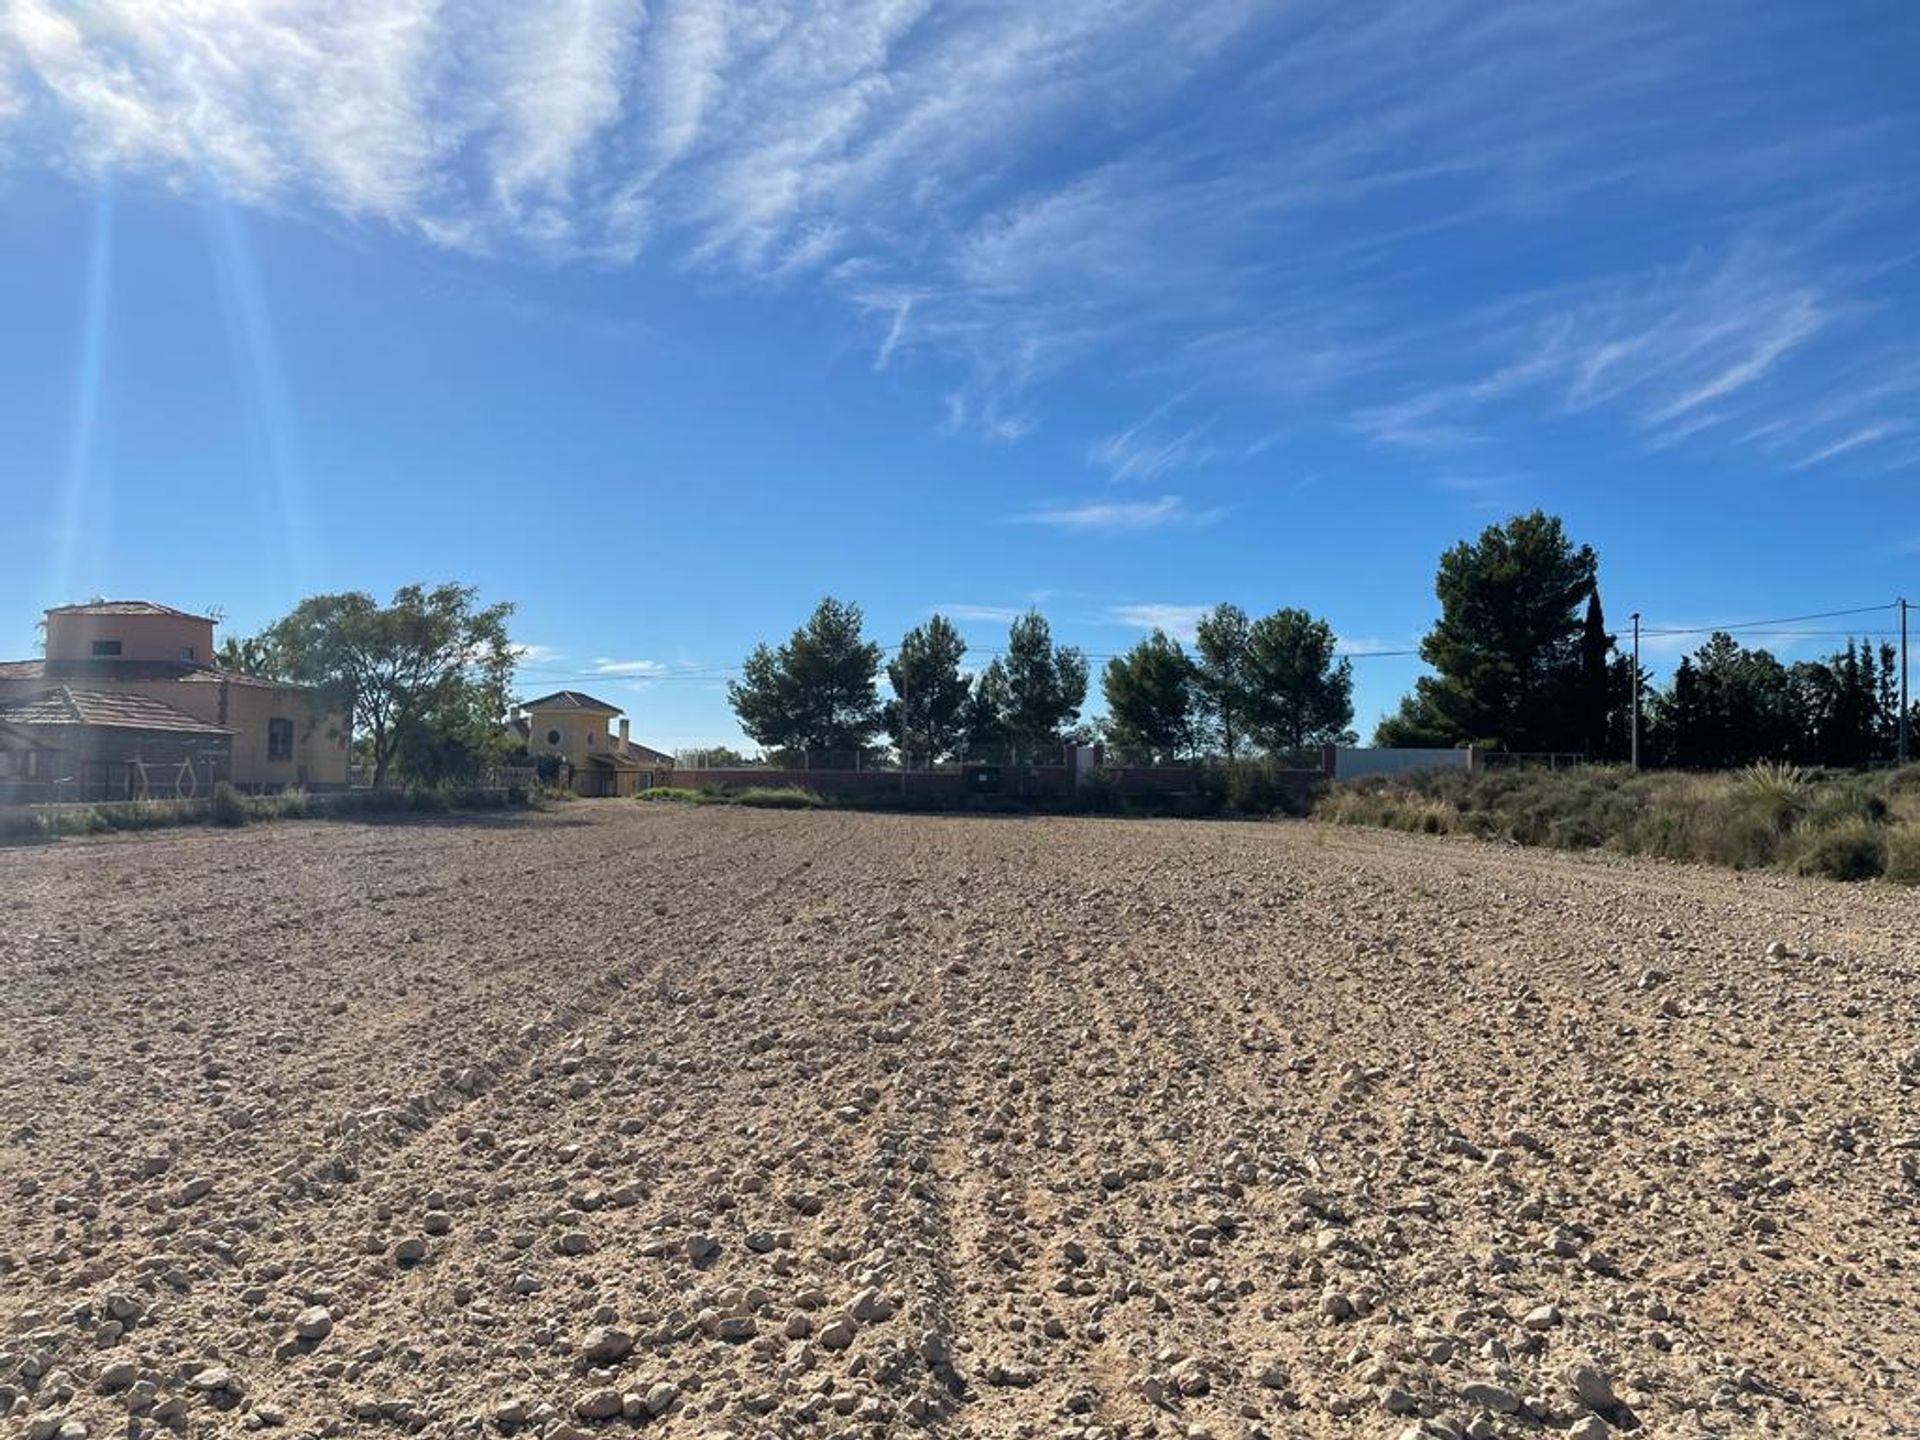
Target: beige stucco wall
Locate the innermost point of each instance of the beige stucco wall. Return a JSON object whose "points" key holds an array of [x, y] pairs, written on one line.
{"points": [[319, 758], [141, 637], [576, 727]]}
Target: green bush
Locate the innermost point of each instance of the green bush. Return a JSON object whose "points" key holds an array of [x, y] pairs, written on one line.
{"points": [[785, 797], [228, 806]]}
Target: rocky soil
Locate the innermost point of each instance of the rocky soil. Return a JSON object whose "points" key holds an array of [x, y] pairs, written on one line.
{"points": [[697, 1122]]}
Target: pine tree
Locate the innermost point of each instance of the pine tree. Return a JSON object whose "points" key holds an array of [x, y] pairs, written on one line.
{"points": [[818, 691], [926, 715], [1594, 705], [1151, 701]]}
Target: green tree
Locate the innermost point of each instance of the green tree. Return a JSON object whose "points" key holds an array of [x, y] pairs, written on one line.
{"points": [[1850, 736], [248, 655], [1594, 701], [1414, 726], [989, 734], [1506, 646], [453, 738], [1679, 719], [719, 757], [1221, 640], [418, 669], [1297, 692], [819, 691], [1152, 701], [1046, 685], [1727, 705], [926, 716]]}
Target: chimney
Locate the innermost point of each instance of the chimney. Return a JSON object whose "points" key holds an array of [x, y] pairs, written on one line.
{"points": [[623, 735]]}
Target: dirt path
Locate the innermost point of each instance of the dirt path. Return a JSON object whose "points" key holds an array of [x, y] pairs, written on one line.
{"points": [[715, 1122]]}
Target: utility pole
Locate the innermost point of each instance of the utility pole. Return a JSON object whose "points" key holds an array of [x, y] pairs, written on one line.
{"points": [[1636, 690], [1906, 717]]}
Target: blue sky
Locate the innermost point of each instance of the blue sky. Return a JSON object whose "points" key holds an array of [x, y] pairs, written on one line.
{"points": [[664, 320]]}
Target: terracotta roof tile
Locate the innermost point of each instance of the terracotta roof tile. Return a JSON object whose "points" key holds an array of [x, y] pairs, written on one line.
{"points": [[569, 700], [125, 607], [118, 672], [107, 709]]}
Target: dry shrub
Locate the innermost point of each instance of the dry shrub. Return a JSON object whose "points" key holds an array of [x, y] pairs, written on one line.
{"points": [[1852, 849], [1842, 825], [228, 806], [1903, 855]]}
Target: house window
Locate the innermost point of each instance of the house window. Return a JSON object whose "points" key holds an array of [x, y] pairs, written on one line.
{"points": [[589, 739], [186, 653], [106, 647], [553, 737], [279, 738]]}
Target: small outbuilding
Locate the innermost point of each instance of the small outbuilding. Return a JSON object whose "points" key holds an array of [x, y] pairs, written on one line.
{"points": [[65, 743]]}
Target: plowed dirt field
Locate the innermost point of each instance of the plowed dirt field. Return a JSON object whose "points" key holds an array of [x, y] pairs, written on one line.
{"points": [[695, 1122]]}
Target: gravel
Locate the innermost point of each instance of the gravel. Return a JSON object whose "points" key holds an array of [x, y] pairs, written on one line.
{"points": [[980, 1127]]}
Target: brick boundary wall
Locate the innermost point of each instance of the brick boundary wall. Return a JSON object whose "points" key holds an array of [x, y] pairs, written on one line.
{"points": [[1006, 781]]}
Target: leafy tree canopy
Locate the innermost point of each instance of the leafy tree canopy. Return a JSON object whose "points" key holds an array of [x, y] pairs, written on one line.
{"points": [[415, 672], [1506, 648], [927, 716], [818, 691], [249, 655], [1221, 640], [1152, 701], [985, 715], [1046, 685], [1297, 692]]}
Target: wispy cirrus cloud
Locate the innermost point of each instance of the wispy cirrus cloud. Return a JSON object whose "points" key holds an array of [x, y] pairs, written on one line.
{"points": [[1147, 449], [1001, 613], [1178, 621], [1120, 516], [1718, 346], [642, 669], [1854, 440], [1268, 216]]}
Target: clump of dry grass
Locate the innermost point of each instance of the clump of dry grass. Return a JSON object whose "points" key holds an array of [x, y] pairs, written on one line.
{"points": [[1843, 825]]}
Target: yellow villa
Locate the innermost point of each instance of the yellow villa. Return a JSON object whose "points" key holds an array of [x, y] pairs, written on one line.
{"points": [[597, 760]]}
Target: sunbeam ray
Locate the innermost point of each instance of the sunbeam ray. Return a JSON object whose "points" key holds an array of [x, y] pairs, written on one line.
{"points": [[78, 513], [269, 418]]}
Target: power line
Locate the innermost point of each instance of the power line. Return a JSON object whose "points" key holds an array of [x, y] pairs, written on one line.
{"points": [[1750, 625], [1769, 629]]}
